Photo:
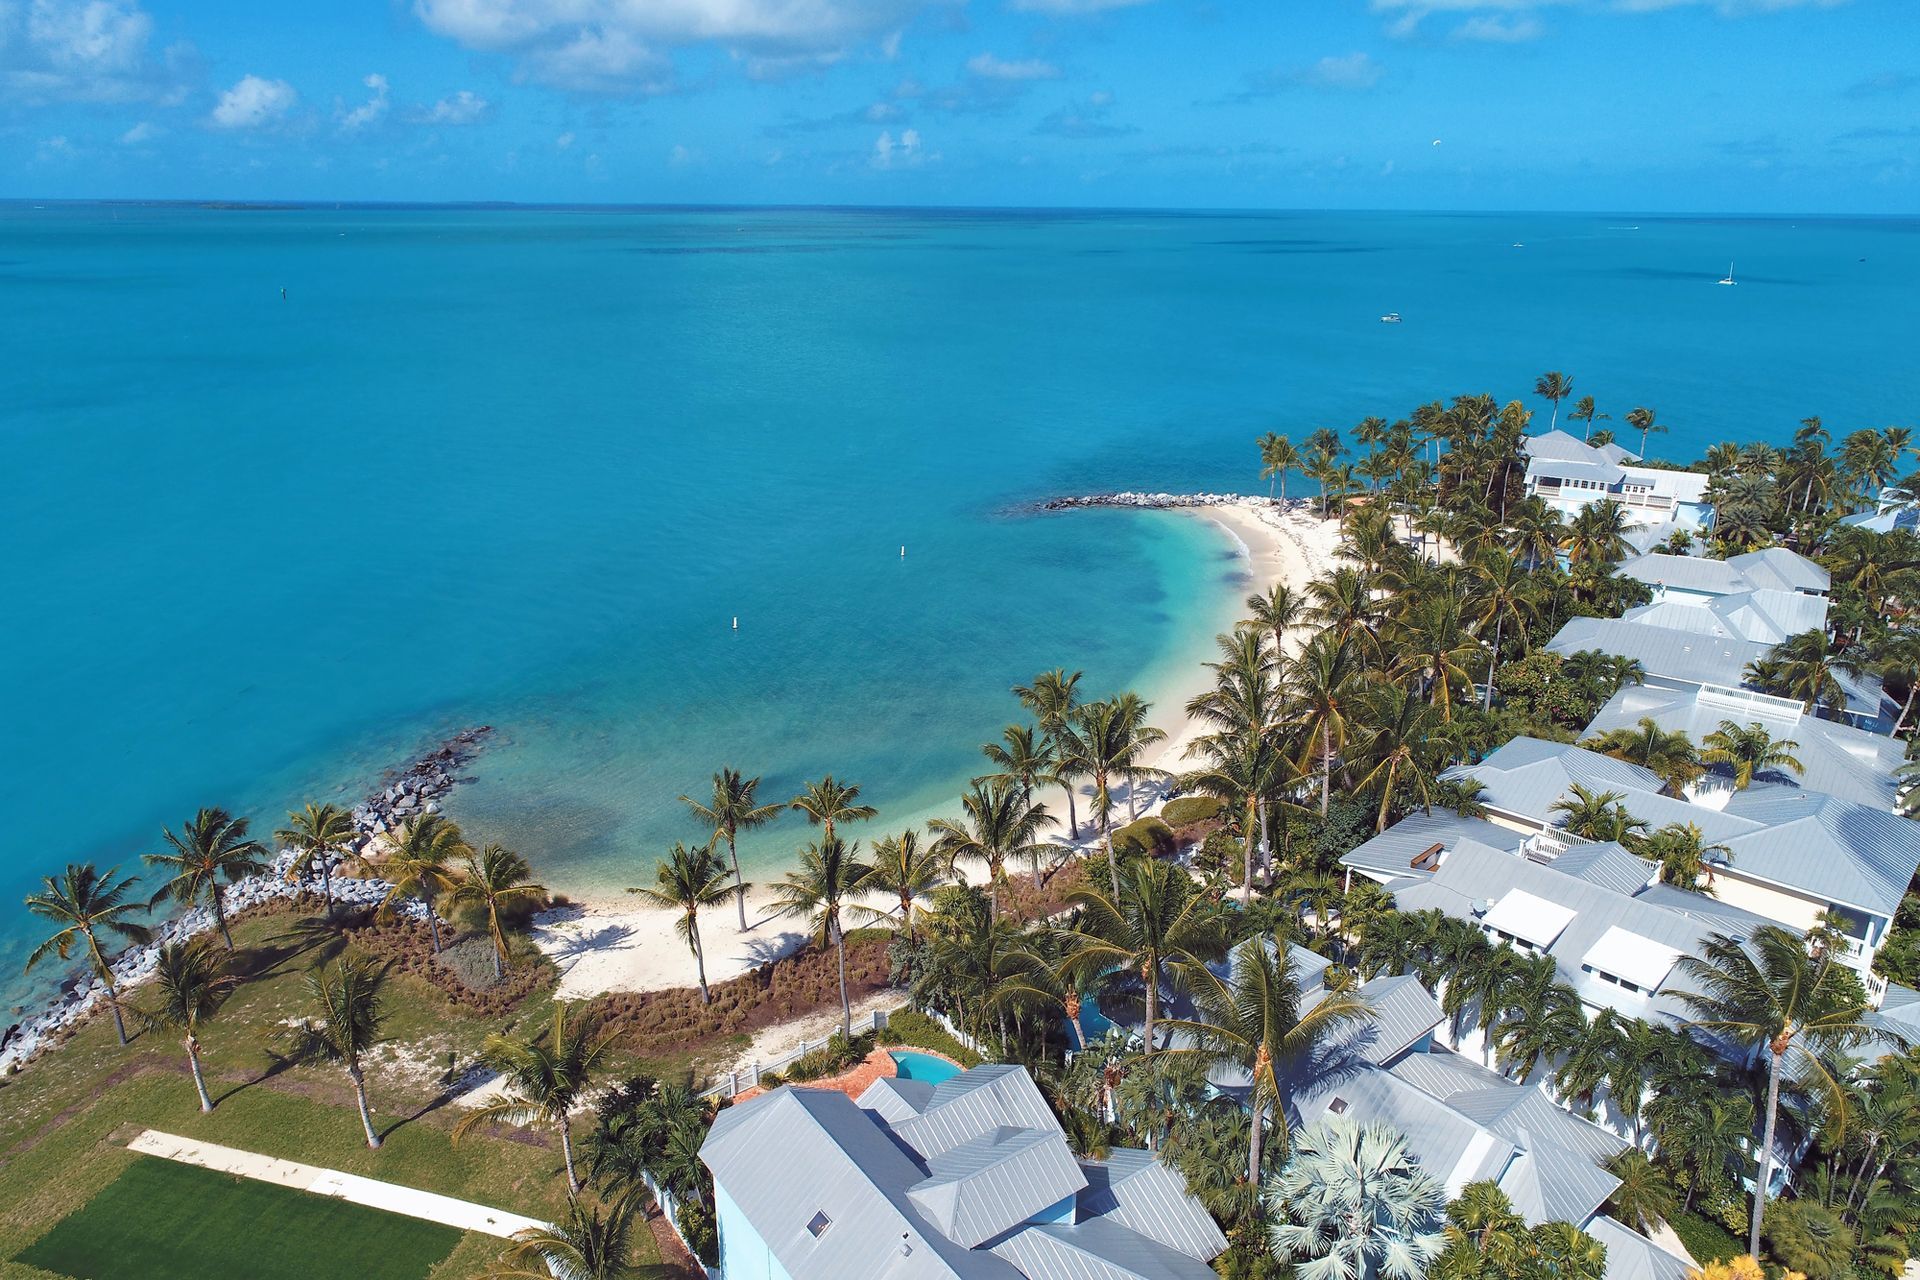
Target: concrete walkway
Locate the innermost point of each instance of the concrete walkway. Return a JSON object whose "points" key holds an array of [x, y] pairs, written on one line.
{"points": [[424, 1205]]}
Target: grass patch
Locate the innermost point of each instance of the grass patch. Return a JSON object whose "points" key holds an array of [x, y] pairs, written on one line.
{"points": [[164, 1221], [1705, 1239]]}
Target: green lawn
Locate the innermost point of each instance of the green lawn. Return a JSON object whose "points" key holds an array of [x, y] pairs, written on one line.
{"points": [[164, 1221]]}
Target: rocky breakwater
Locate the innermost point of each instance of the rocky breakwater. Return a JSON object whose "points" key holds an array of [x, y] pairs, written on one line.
{"points": [[414, 789], [419, 786], [1153, 501]]}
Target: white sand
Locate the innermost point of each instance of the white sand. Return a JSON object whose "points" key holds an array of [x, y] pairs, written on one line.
{"points": [[613, 945]]}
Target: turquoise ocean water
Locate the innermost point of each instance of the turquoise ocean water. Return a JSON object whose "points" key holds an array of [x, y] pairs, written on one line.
{"points": [[524, 468]]}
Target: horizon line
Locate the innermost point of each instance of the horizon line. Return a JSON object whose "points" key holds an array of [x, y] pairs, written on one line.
{"points": [[244, 204]]}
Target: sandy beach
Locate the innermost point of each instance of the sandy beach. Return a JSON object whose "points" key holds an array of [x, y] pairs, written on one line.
{"points": [[611, 945]]}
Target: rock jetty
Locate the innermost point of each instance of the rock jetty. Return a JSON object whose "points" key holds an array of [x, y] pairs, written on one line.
{"points": [[1153, 501], [414, 789]]}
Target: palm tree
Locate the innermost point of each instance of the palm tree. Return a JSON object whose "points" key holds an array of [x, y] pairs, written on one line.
{"points": [[317, 834], [1801, 1009], [546, 1077], [1104, 742], [83, 903], [420, 865], [1810, 666], [685, 881], [827, 802], [1052, 698], [1353, 1204], [587, 1244], [213, 845], [1748, 749], [1252, 1020], [1597, 815], [1584, 1067], [1597, 536], [830, 873], [1002, 824], [1402, 751], [731, 811], [1158, 925], [905, 871], [347, 996], [1277, 457], [1642, 420], [1584, 411], [497, 880], [1276, 612], [1553, 388], [193, 982], [1328, 685], [1644, 1198], [1683, 855], [1023, 756], [1669, 754]]}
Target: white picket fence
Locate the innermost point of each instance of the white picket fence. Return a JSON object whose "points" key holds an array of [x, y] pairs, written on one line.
{"points": [[668, 1207], [735, 1083]]}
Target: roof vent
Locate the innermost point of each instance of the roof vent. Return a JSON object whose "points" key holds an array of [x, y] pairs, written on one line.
{"points": [[1427, 859], [1338, 1106], [817, 1225]]}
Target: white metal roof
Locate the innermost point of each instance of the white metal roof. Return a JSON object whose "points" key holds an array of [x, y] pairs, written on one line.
{"points": [[1625, 954], [1528, 918]]}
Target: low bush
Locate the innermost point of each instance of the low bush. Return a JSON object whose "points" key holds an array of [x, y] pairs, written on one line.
{"points": [[1191, 811], [831, 1058], [1147, 837], [911, 1029], [697, 1228], [463, 969]]}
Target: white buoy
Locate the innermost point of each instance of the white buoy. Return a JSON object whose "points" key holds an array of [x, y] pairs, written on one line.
{"points": [[736, 622], [903, 553]]}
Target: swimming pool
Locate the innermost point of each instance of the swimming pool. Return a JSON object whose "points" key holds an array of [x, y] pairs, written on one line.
{"points": [[910, 1065]]}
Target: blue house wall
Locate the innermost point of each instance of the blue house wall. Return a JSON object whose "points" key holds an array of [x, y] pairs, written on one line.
{"points": [[743, 1254]]}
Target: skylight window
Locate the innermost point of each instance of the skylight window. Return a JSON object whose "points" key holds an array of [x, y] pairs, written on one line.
{"points": [[817, 1225]]}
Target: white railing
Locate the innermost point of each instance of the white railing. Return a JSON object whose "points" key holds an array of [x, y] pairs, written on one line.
{"points": [[1545, 846], [1750, 700], [737, 1082]]}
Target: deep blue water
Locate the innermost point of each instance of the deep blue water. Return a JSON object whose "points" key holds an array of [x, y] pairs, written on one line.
{"points": [[524, 467]]}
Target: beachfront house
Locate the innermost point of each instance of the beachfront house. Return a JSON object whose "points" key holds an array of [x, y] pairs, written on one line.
{"points": [[1699, 579], [970, 1179], [1777, 851], [1569, 474]]}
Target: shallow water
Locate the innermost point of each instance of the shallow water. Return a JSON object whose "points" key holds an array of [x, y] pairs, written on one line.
{"points": [[525, 468]]}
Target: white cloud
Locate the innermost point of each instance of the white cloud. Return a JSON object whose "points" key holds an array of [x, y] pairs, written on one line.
{"points": [[252, 102], [988, 67], [1349, 71], [1730, 8], [464, 107], [1497, 30], [142, 132], [905, 153], [78, 51], [564, 141], [682, 156], [615, 46], [370, 111]]}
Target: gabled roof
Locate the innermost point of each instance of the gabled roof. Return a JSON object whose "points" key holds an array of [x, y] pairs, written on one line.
{"points": [[896, 1097], [1392, 853], [1549, 1183], [986, 1185], [1515, 1110], [1631, 1256], [1134, 1189], [1825, 846], [837, 1193], [1607, 864], [1447, 1144], [1839, 759], [1764, 617], [1526, 775], [855, 1177], [1098, 1250], [1471, 880], [1896, 1023], [974, 1102], [1779, 567]]}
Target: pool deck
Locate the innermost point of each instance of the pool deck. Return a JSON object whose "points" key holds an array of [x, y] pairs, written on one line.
{"points": [[394, 1198], [877, 1065]]}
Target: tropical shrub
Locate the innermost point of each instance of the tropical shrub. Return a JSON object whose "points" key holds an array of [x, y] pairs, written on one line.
{"points": [[698, 1229], [912, 1029], [1191, 811], [1147, 837]]}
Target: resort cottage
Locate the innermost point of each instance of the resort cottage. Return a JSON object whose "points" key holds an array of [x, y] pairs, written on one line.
{"points": [[970, 1179], [1569, 474]]}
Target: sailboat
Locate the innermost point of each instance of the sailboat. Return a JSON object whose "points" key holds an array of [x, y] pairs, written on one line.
{"points": [[1729, 279]]}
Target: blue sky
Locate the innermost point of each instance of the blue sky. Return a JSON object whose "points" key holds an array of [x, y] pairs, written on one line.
{"points": [[1682, 105]]}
